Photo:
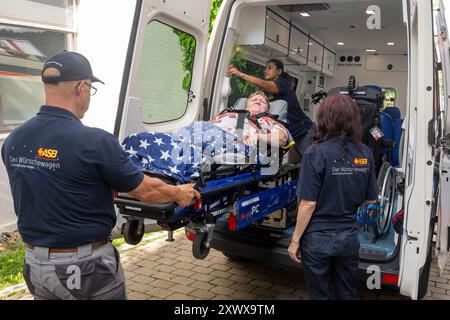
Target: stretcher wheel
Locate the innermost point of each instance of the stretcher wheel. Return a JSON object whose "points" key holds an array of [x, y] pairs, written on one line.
{"points": [[133, 232], [386, 195], [199, 248]]}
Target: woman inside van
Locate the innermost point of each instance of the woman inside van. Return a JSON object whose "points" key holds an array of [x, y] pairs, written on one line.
{"points": [[276, 85], [337, 176]]}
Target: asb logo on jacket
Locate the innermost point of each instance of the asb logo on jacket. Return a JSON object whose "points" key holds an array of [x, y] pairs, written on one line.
{"points": [[360, 161], [47, 153]]}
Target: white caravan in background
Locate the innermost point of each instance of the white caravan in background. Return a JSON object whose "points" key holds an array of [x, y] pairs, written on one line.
{"points": [[385, 43]]}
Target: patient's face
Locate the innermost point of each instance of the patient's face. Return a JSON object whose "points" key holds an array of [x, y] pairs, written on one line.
{"points": [[257, 104]]}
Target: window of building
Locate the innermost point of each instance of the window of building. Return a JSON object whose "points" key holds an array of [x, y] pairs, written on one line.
{"points": [[165, 72], [27, 39]]}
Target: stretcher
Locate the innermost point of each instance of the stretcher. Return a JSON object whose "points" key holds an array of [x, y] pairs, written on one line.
{"points": [[240, 194]]}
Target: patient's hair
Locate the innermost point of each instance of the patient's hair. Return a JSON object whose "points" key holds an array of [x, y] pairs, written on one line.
{"points": [[259, 93], [339, 116]]}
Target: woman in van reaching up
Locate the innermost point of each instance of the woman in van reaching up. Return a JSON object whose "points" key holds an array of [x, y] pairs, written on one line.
{"points": [[276, 84]]}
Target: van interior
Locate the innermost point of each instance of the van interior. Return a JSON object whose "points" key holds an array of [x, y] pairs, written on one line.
{"points": [[323, 45]]}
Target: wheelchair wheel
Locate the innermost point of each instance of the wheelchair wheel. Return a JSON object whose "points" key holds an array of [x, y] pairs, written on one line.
{"points": [[199, 248], [133, 231], [386, 196]]}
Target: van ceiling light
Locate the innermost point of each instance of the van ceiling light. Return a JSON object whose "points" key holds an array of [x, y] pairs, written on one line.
{"points": [[306, 7], [390, 43], [340, 43], [304, 14], [371, 50], [370, 11]]}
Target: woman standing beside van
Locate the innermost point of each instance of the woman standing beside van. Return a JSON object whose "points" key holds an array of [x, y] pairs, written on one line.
{"points": [[276, 84], [337, 175]]}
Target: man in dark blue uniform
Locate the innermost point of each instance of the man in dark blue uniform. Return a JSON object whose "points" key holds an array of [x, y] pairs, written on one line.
{"points": [[337, 176], [62, 176]]}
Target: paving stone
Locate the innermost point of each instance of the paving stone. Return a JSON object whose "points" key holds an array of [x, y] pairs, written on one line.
{"points": [[283, 289], [222, 274], [129, 267], [179, 296], [162, 275], [202, 277], [443, 286], [203, 270], [222, 290], [222, 297], [181, 288], [169, 262], [440, 296], [265, 292], [242, 287], [202, 263], [165, 268], [138, 287], [437, 290], [183, 273], [162, 284], [220, 267], [185, 266], [159, 293], [221, 282], [261, 283], [243, 295], [202, 294], [147, 264], [240, 279], [137, 296], [438, 279], [141, 279], [182, 280], [201, 285]]}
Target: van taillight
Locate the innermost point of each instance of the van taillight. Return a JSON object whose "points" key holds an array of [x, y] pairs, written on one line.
{"points": [[389, 278], [116, 194]]}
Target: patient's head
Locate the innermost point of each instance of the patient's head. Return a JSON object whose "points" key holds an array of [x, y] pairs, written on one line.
{"points": [[257, 103]]}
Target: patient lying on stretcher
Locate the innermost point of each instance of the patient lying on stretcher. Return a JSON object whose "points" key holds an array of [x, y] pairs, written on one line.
{"points": [[229, 135]]}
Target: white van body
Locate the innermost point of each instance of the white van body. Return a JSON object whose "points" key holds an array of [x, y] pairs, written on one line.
{"points": [[248, 24]]}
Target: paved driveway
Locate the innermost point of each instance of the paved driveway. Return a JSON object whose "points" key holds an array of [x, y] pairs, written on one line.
{"points": [[167, 270]]}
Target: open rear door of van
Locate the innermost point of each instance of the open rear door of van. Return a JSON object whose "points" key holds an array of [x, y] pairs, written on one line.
{"points": [[443, 225], [418, 160], [162, 82]]}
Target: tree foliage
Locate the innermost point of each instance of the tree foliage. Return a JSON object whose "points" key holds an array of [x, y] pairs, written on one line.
{"points": [[188, 44]]}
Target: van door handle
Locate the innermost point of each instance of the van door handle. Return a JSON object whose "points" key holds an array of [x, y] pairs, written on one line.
{"points": [[277, 38], [191, 96]]}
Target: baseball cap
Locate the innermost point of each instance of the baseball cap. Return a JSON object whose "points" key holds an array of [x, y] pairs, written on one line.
{"points": [[71, 65]]}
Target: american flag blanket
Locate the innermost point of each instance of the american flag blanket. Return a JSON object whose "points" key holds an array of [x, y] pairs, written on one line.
{"points": [[181, 154]]}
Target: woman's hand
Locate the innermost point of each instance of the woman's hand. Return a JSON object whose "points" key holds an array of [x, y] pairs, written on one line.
{"points": [[233, 71], [293, 251]]}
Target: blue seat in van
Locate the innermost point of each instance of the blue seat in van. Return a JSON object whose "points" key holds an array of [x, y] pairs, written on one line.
{"points": [[387, 126]]}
